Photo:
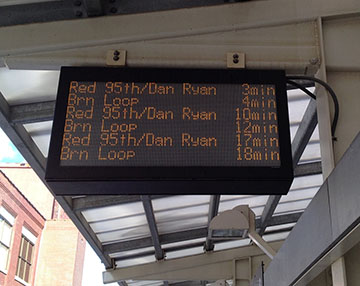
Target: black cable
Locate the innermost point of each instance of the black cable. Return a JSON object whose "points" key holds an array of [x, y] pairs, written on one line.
{"points": [[299, 86], [327, 87]]}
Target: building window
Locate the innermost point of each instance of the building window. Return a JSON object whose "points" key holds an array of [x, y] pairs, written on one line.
{"points": [[25, 258], [6, 222]]}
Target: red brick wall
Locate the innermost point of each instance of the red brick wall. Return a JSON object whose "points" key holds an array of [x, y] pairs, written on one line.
{"points": [[25, 215], [79, 260]]}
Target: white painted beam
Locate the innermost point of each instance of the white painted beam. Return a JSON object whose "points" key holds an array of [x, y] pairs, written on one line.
{"points": [[292, 49], [338, 271], [161, 25], [207, 266]]}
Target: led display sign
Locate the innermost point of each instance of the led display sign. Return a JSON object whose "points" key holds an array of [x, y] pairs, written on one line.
{"points": [[170, 131]]}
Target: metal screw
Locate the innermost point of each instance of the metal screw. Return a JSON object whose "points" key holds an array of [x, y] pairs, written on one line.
{"points": [[113, 10], [78, 14], [314, 61], [77, 3], [116, 53], [116, 58]]}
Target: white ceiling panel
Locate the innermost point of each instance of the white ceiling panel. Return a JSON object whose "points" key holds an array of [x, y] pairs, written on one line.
{"points": [[117, 211], [131, 252], [135, 261], [182, 243], [28, 86], [184, 252], [119, 223], [124, 234], [40, 133], [231, 244], [184, 224], [179, 202], [293, 206]]}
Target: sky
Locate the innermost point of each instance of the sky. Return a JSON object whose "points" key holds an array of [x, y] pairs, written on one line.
{"points": [[8, 152]]}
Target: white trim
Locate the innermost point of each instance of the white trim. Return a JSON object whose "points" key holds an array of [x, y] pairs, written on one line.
{"points": [[27, 233], [3, 271], [8, 216], [18, 279]]}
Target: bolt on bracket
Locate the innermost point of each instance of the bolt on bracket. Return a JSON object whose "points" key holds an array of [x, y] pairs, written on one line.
{"points": [[235, 60], [116, 58]]}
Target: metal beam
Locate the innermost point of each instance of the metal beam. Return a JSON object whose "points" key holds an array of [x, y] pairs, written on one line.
{"points": [[33, 112], [189, 246], [333, 217], [187, 235], [36, 13], [150, 217], [93, 8], [308, 169], [29, 150], [207, 266], [92, 202], [298, 145], [213, 211], [238, 16]]}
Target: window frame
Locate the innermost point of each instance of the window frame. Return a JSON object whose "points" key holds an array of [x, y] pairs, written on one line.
{"points": [[21, 273], [8, 219]]}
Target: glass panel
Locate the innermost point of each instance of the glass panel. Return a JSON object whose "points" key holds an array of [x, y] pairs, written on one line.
{"points": [[118, 211], [292, 206], [1, 227], [184, 224], [277, 236], [29, 254], [184, 252], [27, 86], [299, 194], [297, 109], [27, 272], [123, 234], [6, 235], [181, 214], [279, 227], [131, 252], [136, 261], [231, 244], [144, 283], [119, 223], [307, 181], [254, 202], [20, 269], [24, 248], [3, 257], [179, 202], [311, 153], [181, 243]]}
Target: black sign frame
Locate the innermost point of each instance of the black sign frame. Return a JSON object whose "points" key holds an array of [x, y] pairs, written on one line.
{"points": [[79, 180]]}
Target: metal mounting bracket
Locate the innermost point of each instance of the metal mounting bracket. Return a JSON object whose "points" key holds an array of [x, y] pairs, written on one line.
{"points": [[235, 60], [116, 58]]}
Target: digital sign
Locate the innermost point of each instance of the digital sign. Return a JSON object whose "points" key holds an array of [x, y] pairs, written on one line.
{"points": [[163, 131]]}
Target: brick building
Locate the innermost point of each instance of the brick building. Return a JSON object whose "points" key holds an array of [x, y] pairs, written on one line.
{"points": [[31, 219], [21, 226]]}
